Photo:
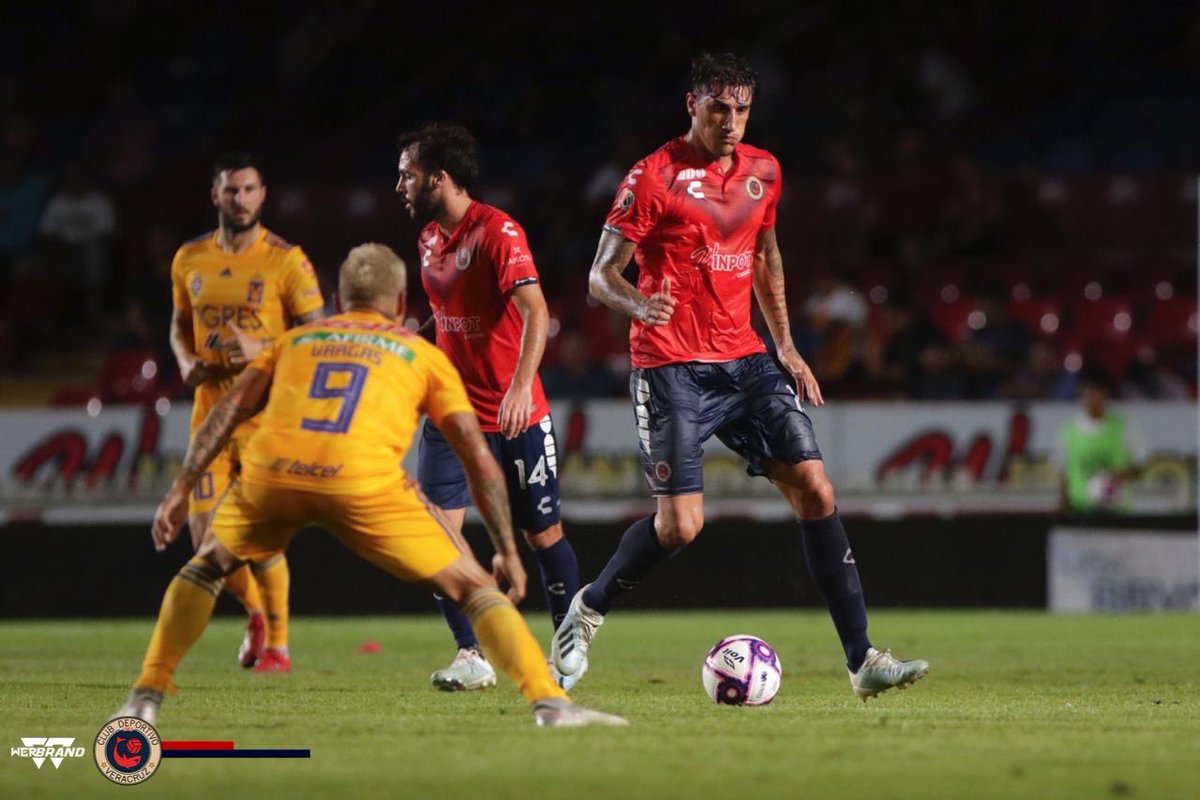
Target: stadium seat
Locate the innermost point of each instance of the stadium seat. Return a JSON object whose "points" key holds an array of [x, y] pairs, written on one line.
{"points": [[1173, 321], [1041, 315], [952, 316], [129, 376], [1103, 319]]}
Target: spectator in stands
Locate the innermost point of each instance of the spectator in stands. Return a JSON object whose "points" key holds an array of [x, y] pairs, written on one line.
{"points": [[1097, 452], [846, 200], [576, 375], [79, 222], [970, 214], [917, 360], [1148, 378], [838, 314], [997, 347], [1042, 376], [21, 194]]}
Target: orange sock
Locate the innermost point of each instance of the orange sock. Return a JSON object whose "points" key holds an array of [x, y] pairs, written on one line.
{"points": [[508, 644], [186, 608], [241, 584], [274, 579]]}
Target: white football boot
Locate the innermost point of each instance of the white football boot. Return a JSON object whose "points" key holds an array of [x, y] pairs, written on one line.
{"points": [[567, 682], [555, 712], [469, 670], [881, 671], [143, 703], [570, 643]]}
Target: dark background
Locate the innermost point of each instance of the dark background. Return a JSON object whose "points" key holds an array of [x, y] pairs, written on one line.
{"points": [[1019, 151]]}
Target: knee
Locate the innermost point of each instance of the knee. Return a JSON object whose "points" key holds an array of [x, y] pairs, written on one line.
{"points": [[817, 497], [459, 580], [544, 538], [678, 533]]}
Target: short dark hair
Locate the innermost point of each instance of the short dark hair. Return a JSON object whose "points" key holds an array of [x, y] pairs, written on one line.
{"points": [[713, 74], [444, 146], [236, 160]]}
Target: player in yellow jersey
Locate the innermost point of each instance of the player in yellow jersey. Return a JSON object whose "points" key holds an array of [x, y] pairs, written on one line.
{"points": [[234, 289], [340, 402]]}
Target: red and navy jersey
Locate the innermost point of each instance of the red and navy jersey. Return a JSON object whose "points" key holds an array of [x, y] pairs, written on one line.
{"points": [[699, 225], [468, 277]]}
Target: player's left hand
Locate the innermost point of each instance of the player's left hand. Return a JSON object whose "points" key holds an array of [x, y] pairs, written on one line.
{"points": [[806, 383], [169, 517], [515, 410], [245, 347], [509, 568]]}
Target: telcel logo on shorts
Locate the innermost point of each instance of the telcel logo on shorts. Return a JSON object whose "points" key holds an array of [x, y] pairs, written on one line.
{"points": [[309, 469], [55, 748]]}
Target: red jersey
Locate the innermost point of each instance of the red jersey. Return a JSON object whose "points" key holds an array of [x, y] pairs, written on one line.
{"points": [[698, 225], [468, 276]]}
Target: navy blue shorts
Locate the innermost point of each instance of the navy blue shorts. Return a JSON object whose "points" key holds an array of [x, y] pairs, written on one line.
{"points": [[749, 403], [530, 464]]}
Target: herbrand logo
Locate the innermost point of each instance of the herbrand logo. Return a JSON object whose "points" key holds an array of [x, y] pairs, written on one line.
{"points": [[54, 748]]}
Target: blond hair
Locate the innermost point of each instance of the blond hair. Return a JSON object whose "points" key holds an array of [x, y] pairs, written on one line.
{"points": [[371, 272]]}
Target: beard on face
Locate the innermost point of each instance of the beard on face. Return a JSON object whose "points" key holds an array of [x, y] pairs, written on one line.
{"points": [[229, 223], [422, 206]]}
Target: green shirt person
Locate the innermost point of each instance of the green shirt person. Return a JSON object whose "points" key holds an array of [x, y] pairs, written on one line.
{"points": [[1098, 453]]}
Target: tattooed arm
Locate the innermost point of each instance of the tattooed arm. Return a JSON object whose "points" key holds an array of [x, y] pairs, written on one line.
{"points": [[772, 300], [489, 491], [607, 284], [241, 402]]}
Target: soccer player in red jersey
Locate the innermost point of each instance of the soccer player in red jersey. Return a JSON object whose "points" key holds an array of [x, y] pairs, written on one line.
{"points": [[698, 215], [492, 321]]}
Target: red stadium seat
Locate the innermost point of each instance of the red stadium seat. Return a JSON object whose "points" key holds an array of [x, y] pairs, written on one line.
{"points": [[129, 376], [1173, 321], [1041, 315], [952, 316], [1104, 319]]}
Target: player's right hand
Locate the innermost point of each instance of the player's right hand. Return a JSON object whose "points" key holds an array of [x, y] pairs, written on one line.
{"points": [[509, 568], [169, 517], [659, 307], [245, 346], [197, 372]]}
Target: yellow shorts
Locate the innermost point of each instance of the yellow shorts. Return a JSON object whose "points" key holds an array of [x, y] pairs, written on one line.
{"points": [[214, 483], [390, 527]]}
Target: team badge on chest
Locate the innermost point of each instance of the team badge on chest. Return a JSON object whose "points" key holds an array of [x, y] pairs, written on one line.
{"points": [[462, 259], [754, 188], [254, 293]]}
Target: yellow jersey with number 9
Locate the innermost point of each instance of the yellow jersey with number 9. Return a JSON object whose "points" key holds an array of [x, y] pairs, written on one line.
{"points": [[260, 289], [346, 395]]}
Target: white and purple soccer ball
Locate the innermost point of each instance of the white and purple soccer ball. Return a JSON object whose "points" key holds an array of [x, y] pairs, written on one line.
{"points": [[741, 670]]}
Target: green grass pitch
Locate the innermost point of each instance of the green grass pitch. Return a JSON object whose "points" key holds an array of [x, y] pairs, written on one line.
{"points": [[1024, 705]]}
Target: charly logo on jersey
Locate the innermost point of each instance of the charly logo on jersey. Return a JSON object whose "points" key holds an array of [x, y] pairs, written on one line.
{"points": [[227, 272], [462, 259], [693, 179], [754, 188], [54, 748]]}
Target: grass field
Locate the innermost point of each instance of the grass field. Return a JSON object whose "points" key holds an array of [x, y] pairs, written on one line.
{"points": [[1016, 705]]}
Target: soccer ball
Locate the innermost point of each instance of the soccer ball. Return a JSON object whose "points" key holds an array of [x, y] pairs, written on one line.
{"points": [[741, 670]]}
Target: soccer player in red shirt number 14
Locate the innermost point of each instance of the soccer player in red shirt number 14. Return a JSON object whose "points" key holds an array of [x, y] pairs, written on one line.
{"points": [[492, 321], [698, 215]]}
